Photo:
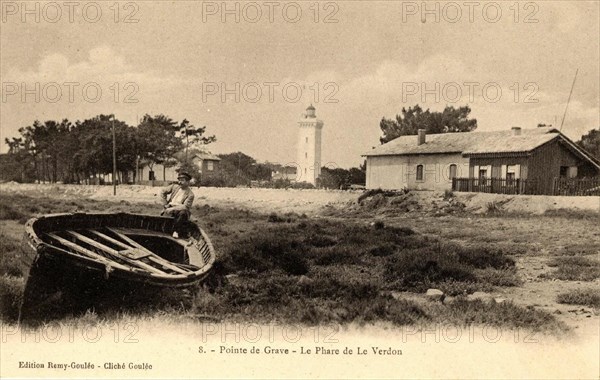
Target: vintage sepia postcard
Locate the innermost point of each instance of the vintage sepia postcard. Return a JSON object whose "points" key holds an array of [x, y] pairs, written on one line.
{"points": [[300, 189]]}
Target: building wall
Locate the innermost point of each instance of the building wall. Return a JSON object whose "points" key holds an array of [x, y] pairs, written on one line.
{"points": [[546, 161], [542, 165], [205, 166], [161, 173], [397, 172], [496, 164], [309, 150]]}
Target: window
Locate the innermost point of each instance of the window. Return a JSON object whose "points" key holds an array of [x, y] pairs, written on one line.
{"points": [[510, 173], [151, 176], [306, 140], [572, 172], [210, 166], [568, 171], [483, 173], [452, 171], [419, 172], [305, 154]]}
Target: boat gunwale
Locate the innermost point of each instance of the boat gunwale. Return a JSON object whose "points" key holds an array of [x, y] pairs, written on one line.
{"points": [[42, 246]]}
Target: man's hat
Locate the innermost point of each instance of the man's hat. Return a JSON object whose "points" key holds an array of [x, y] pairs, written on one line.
{"points": [[185, 175]]}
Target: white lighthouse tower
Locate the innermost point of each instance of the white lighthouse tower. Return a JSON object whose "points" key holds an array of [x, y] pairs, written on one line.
{"points": [[309, 147]]}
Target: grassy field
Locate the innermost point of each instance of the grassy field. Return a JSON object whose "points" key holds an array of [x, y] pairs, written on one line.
{"points": [[367, 264]]}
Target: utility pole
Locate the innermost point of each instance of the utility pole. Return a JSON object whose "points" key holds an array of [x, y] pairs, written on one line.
{"points": [[187, 144], [568, 100], [114, 156]]}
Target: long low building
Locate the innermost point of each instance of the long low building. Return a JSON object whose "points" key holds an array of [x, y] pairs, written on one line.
{"points": [[430, 162]]}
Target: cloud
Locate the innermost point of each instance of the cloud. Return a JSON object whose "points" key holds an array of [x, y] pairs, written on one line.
{"points": [[103, 66]]}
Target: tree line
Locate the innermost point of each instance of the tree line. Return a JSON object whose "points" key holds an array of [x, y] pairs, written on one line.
{"points": [[81, 152], [240, 169], [451, 119]]}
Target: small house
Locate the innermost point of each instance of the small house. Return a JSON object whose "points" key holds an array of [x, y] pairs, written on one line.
{"points": [[207, 163], [512, 161]]}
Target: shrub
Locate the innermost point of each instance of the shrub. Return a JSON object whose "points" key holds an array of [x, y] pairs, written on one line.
{"points": [[9, 256], [301, 185], [419, 268], [461, 288], [494, 208], [383, 250], [335, 256], [587, 297], [379, 225], [574, 268], [267, 251], [320, 241], [481, 256], [500, 314], [274, 218], [328, 287], [504, 277], [11, 297]]}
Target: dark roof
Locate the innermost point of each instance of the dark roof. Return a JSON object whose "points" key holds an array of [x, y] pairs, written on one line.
{"points": [[477, 143], [468, 142], [207, 156]]}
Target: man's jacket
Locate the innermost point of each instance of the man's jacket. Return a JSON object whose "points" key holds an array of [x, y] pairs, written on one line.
{"points": [[169, 192]]}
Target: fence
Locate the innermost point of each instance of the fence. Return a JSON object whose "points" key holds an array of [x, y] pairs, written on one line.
{"points": [[495, 185], [577, 186]]}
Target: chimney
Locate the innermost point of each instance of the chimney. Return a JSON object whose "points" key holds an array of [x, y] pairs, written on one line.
{"points": [[421, 139], [516, 131]]}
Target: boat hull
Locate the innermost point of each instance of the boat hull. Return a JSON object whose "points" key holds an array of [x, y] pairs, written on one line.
{"points": [[60, 280]]}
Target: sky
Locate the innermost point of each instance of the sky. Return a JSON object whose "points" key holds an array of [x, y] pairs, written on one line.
{"points": [[248, 70]]}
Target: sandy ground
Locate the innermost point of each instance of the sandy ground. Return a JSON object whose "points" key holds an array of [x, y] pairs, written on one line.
{"points": [[263, 200], [301, 201]]}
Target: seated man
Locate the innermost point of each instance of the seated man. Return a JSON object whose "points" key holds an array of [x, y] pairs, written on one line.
{"points": [[177, 200]]}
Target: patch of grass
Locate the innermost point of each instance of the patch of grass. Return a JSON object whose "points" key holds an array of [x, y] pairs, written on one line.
{"points": [[574, 268], [504, 314], [267, 251], [580, 249], [9, 256], [437, 263], [462, 288], [503, 277], [587, 297], [382, 250], [419, 269], [336, 256], [573, 214], [11, 296], [10, 211], [481, 256]]}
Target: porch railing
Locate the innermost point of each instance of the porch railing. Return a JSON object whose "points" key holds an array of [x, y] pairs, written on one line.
{"points": [[495, 185], [577, 186]]}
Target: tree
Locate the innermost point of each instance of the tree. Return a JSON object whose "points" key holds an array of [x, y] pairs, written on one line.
{"points": [[341, 178], [591, 142], [193, 135], [93, 137], [414, 118], [157, 140]]}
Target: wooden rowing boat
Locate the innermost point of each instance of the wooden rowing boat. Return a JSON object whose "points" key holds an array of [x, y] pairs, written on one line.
{"points": [[118, 253]]}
